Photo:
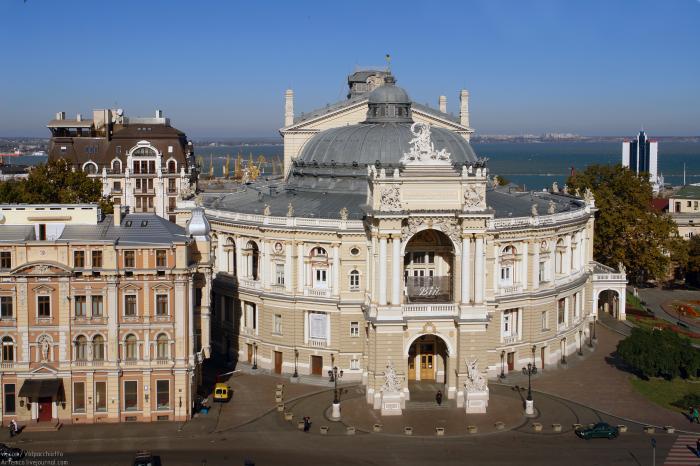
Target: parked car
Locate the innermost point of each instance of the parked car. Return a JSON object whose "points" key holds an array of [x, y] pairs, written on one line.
{"points": [[9, 454], [145, 458], [599, 430], [222, 392]]}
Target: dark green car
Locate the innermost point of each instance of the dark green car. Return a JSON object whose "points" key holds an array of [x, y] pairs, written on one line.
{"points": [[599, 430]]}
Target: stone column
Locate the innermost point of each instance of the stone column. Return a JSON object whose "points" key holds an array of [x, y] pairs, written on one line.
{"points": [[566, 259], [300, 267], [536, 267], [382, 271], [396, 271], [205, 315], [288, 268], [465, 272], [336, 270], [524, 266], [496, 268], [240, 268], [479, 273], [112, 313], [180, 319], [264, 265]]}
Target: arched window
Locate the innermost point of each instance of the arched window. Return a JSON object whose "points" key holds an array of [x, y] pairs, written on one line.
{"points": [[116, 166], [253, 255], [162, 346], [559, 256], [81, 348], [90, 168], [172, 167], [130, 347], [354, 280], [319, 252], [8, 349], [507, 265], [143, 152], [231, 255], [98, 348]]}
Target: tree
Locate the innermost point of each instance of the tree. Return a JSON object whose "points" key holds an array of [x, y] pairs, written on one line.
{"points": [[693, 267], [659, 353], [501, 181], [627, 229], [54, 183]]}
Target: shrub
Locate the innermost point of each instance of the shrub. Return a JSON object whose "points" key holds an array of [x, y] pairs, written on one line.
{"points": [[691, 399], [659, 353]]}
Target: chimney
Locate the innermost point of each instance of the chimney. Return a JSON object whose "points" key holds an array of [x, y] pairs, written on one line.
{"points": [[117, 215], [78, 117], [464, 107], [159, 113], [288, 107], [442, 102], [61, 115]]}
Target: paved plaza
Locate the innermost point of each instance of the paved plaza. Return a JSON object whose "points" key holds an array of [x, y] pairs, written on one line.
{"points": [[250, 426]]}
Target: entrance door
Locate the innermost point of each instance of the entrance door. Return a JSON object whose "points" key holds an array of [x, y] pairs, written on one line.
{"points": [[317, 365], [511, 361], [427, 366], [278, 362], [250, 353], [411, 367], [542, 350], [44, 409]]}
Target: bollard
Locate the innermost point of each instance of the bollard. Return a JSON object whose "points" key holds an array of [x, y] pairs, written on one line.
{"points": [[537, 427], [350, 430], [408, 430], [288, 416], [278, 399], [649, 429], [472, 429], [439, 431], [500, 425], [280, 407], [324, 430], [556, 427], [377, 428], [670, 429], [576, 426], [280, 386], [621, 428], [300, 425]]}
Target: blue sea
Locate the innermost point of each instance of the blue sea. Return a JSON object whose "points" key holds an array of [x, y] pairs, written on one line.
{"points": [[534, 165]]}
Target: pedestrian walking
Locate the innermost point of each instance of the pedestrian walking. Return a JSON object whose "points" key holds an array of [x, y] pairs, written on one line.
{"points": [[14, 430], [438, 398], [696, 414], [697, 447], [307, 423]]}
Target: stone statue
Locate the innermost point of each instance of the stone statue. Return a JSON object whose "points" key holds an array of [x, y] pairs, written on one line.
{"points": [[290, 210], [475, 381], [566, 189], [186, 192], [621, 267], [552, 208], [390, 198], [577, 193], [344, 213], [472, 197], [45, 346], [588, 195], [422, 151], [533, 210], [266, 210], [555, 187], [392, 382]]}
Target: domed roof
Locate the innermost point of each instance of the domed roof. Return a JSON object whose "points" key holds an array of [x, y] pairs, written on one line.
{"points": [[388, 93], [365, 144]]}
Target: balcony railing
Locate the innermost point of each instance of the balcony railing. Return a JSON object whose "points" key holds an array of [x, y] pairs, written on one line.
{"points": [[510, 339], [318, 342], [510, 289], [317, 292], [445, 309], [163, 361], [249, 283], [7, 365]]}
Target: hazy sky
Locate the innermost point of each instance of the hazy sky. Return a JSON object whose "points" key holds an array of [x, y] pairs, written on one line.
{"points": [[595, 67]]}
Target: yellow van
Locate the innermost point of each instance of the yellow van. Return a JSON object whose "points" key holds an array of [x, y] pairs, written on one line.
{"points": [[222, 392]]}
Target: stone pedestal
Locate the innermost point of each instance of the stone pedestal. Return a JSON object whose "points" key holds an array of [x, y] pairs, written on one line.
{"points": [[529, 407], [476, 402], [335, 412], [392, 403]]}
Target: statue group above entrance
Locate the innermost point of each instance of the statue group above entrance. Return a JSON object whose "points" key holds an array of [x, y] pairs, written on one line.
{"points": [[422, 151]]}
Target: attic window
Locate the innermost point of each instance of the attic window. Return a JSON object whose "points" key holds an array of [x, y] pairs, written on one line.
{"points": [[127, 223], [144, 223]]}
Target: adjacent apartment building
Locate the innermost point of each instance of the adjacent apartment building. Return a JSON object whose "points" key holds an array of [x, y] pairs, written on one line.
{"points": [[684, 207], [641, 156], [143, 163], [103, 318]]}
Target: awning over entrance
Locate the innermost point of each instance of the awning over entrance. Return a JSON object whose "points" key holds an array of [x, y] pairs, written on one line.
{"points": [[41, 388]]}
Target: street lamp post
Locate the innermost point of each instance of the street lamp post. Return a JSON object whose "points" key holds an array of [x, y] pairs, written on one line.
{"points": [[530, 370], [534, 348], [580, 338], [563, 351], [594, 321], [334, 375], [296, 359], [255, 355], [503, 375]]}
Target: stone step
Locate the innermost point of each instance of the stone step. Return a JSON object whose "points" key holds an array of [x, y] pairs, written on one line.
{"points": [[42, 427], [428, 405]]}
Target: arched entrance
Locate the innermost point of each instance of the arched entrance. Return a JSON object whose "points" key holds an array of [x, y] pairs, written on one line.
{"points": [[428, 363], [428, 266], [609, 303]]}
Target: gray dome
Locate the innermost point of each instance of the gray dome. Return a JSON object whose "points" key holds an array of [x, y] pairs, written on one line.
{"points": [[389, 94], [365, 144]]}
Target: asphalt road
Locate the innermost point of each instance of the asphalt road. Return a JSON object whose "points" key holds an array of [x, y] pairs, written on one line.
{"points": [[297, 448], [655, 297]]}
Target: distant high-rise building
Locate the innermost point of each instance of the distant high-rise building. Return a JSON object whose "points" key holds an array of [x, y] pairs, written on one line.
{"points": [[641, 156]]}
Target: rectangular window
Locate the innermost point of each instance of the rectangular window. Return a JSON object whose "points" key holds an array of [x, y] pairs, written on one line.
{"points": [[129, 259], [354, 329], [9, 401], [418, 257], [171, 185], [431, 258], [97, 306], [6, 311], [78, 397], [354, 364], [162, 394], [543, 272], [250, 316], [354, 280], [318, 325], [131, 398], [80, 306], [5, 260], [42, 232], [117, 187], [161, 304], [101, 397], [44, 306], [279, 274], [545, 320], [561, 311], [576, 306], [277, 324], [96, 259], [130, 305], [161, 258], [79, 259]]}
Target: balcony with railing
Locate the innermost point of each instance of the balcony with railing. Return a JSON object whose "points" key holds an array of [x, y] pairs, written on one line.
{"points": [[7, 365], [430, 310], [318, 342], [512, 288], [317, 292], [249, 282], [511, 339]]}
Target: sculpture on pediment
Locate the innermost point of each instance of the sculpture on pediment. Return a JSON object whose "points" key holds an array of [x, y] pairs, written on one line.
{"points": [[621, 267], [552, 208], [533, 210], [422, 151], [588, 195], [392, 382], [344, 213], [290, 210], [411, 228], [473, 197], [475, 381], [390, 198], [266, 210], [577, 193], [42, 269], [186, 192], [555, 187]]}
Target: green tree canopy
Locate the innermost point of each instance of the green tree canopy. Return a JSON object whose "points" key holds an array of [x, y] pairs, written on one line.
{"points": [[627, 229], [54, 183], [659, 353]]}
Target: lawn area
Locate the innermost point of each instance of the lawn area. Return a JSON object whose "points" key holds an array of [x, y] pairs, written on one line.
{"points": [[649, 323], [664, 392], [634, 301]]}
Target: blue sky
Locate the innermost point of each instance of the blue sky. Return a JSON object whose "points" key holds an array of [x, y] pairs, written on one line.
{"points": [[596, 67]]}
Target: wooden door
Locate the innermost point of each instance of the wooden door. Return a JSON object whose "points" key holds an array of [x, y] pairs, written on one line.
{"points": [[317, 365], [45, 409], [412, 367], [427, 366], [278, 362], [511, 361], [250, 353], [542, 352]]}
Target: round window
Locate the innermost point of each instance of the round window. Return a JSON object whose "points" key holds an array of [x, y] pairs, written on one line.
{"points": [[354, 251]]}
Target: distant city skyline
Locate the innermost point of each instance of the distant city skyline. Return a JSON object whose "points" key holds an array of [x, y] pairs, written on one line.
{"points": [[220, 69]]}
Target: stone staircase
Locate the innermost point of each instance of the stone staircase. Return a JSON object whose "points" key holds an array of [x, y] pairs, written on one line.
{"points": [[52, 426]]}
